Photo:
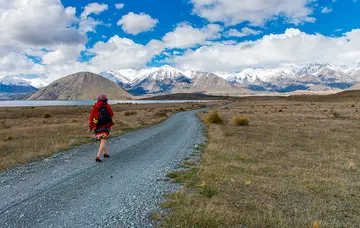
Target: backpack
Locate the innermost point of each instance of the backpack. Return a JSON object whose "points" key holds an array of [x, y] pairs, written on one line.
{"points": [[104, 116]]}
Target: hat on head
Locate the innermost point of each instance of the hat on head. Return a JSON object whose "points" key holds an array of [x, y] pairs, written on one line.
{"points": [[102, 97]]}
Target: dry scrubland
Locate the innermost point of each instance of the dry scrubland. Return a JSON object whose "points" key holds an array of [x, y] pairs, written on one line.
{"points": [[295, 165], [31, 133]]}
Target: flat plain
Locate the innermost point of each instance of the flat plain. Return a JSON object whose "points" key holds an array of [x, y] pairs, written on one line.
{"points": [[296, 164], [31, 133]]}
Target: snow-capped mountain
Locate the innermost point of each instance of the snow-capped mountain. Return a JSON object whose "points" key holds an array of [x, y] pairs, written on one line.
{"points": [[37, 81], [252, 75], [291, 77], [164, 79], [15, 84], [116, 77]]}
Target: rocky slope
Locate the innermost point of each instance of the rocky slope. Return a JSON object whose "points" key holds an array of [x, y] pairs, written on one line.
{"points": [[81, 86]]}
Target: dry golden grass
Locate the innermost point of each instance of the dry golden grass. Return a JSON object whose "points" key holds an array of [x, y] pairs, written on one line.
{"points": [[30, 133], [213, 118], [130, 113], [241, 120], [294, 168]]}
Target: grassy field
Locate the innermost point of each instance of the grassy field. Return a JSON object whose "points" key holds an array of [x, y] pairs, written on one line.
{"points": [[296, 164], [30, 133]]}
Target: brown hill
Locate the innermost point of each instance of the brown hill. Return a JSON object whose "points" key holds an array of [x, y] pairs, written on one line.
{"points": [[186, 96], [81, 86]]}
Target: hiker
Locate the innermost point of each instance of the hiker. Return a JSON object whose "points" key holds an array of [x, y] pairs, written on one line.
{"points": [[100, 121]]}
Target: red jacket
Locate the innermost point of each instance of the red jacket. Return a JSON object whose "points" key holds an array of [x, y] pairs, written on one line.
{"points": [[94, 116]]}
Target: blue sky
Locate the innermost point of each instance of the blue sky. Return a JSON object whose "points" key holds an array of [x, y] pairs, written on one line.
{"points": [[215, 35], [344, 15]]}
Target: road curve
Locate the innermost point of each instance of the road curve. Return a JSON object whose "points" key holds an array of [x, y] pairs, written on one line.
{"points": [[71, 190]]}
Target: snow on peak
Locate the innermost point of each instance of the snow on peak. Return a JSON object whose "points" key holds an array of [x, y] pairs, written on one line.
{"points": [[116, 77], [13, 80], [253, 75], [313, 68], [162, 73], [37, 81]]}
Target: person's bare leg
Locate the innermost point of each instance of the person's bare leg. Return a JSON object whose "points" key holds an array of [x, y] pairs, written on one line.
{"points": [[105, 151], [102, 147]]}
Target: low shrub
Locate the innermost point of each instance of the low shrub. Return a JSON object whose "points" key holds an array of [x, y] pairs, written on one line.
{"points": [[47, 115], [8, 138], [130, 113], [213, 118], [208, 192], [241, 120], [161, 113]]}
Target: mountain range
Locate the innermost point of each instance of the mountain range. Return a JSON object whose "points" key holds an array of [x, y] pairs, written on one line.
{"points": [[167, 79]]}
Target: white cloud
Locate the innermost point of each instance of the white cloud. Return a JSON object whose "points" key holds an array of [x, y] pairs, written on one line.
{"points": [[87, 23], [27, 28], [137, 23], [14, 62], [293, 46], [185, 36], [257, 12], [93, 8], [119, 6], [244, 32], [326, 10], [120, 53], [23, 22], [63, 54]]}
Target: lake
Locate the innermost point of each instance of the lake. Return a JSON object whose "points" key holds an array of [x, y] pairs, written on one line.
{"points": [[24, 103]]}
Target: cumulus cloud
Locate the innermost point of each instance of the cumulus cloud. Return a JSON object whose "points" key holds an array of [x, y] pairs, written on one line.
{"points": [[87, 23], [272, 50], [186, 36], [62, 54], [244, 32], [120, 53], [256, 12], [93, 8], [15, 61], [40, 29], [119, 6], [134, 24], [21, 21]]}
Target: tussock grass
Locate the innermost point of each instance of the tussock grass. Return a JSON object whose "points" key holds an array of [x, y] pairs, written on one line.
{"points": [[130, 113], [297, 168], [213, 118], [208, 192], [189, 163], [161, 113], [241, 120], [155, 216], [47, 115]]}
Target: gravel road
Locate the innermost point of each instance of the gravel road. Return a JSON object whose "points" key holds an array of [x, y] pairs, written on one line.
{"points": [[71, 190]]}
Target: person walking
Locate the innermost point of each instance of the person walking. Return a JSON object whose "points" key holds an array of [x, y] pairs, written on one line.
{"points": [[101, 122]]}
